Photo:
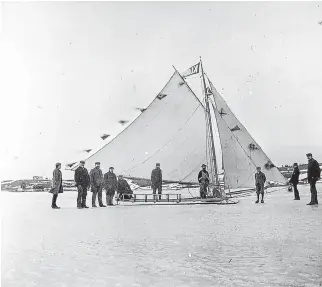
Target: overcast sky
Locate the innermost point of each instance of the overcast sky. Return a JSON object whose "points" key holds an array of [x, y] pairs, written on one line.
{"points": [[70, 71]]}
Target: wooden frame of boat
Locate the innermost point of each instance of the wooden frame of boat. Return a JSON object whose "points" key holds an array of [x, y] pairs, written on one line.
{"points": [[167, 198]]}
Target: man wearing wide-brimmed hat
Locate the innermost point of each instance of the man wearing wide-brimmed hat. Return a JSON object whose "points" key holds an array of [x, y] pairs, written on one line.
{"points": [[82, 180], [96, 177], [203, 179], [313, 175], [110, 185]]}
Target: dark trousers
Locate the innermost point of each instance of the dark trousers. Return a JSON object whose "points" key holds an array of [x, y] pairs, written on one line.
{"points": [[81, 197], [314, 193], [110, 192], [159, 188], [97, 191], [53, 202], [296, 192], [203, 189]]}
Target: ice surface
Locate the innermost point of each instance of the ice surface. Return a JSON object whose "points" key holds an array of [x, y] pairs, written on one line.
{"points": [[278, 243]]}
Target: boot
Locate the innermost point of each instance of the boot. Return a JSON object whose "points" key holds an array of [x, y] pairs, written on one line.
{"points": [[262, 201], [84, 202], [53, 204], [102, 205], [94, 205], [257, 201]]}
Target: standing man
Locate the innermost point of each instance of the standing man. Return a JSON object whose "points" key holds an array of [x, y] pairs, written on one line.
{"points": [[96, 177], [313, 174], [110, 184], [203, 179], [156, 180], [295, 180], [260, 179], [82, 180], [57, 186]]}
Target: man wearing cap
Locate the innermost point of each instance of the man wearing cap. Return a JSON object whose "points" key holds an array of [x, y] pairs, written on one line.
{"points": [[156, 180], [110, 185], [203, 179], [260, 179], [82, 180], [96, 177], [123, 188], [313, 175], [295, 180], [57, 186]]}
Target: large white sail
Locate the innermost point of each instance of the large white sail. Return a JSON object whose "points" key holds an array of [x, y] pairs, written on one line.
{"points": [[231, 130], [239, 169], [171, 131]]}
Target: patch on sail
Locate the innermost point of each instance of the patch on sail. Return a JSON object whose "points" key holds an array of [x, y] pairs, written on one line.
{"points": [[104, 136], [208, 91], [161, 96], [269, 165], [252, 146], [123, 122], [181, 84], [71, 164], [236, 128], [222, 112]]}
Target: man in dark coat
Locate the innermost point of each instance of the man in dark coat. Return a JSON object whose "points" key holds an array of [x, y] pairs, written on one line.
{"points": [[123, 188], [82, 180], [295, 180], [260, 179], [57, 186], [203, 179], [156, 180], [313, 175], [96, 177], [110, 185]]}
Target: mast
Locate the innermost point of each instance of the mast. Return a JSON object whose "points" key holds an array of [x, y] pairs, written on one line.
{"points": [[209, 123]]}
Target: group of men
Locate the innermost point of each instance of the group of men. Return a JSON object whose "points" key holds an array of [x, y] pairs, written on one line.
{"points": [[96, 182], [313, 175]]}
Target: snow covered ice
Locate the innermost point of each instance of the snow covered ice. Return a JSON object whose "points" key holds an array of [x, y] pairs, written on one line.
{"points": [[277, 243]]}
